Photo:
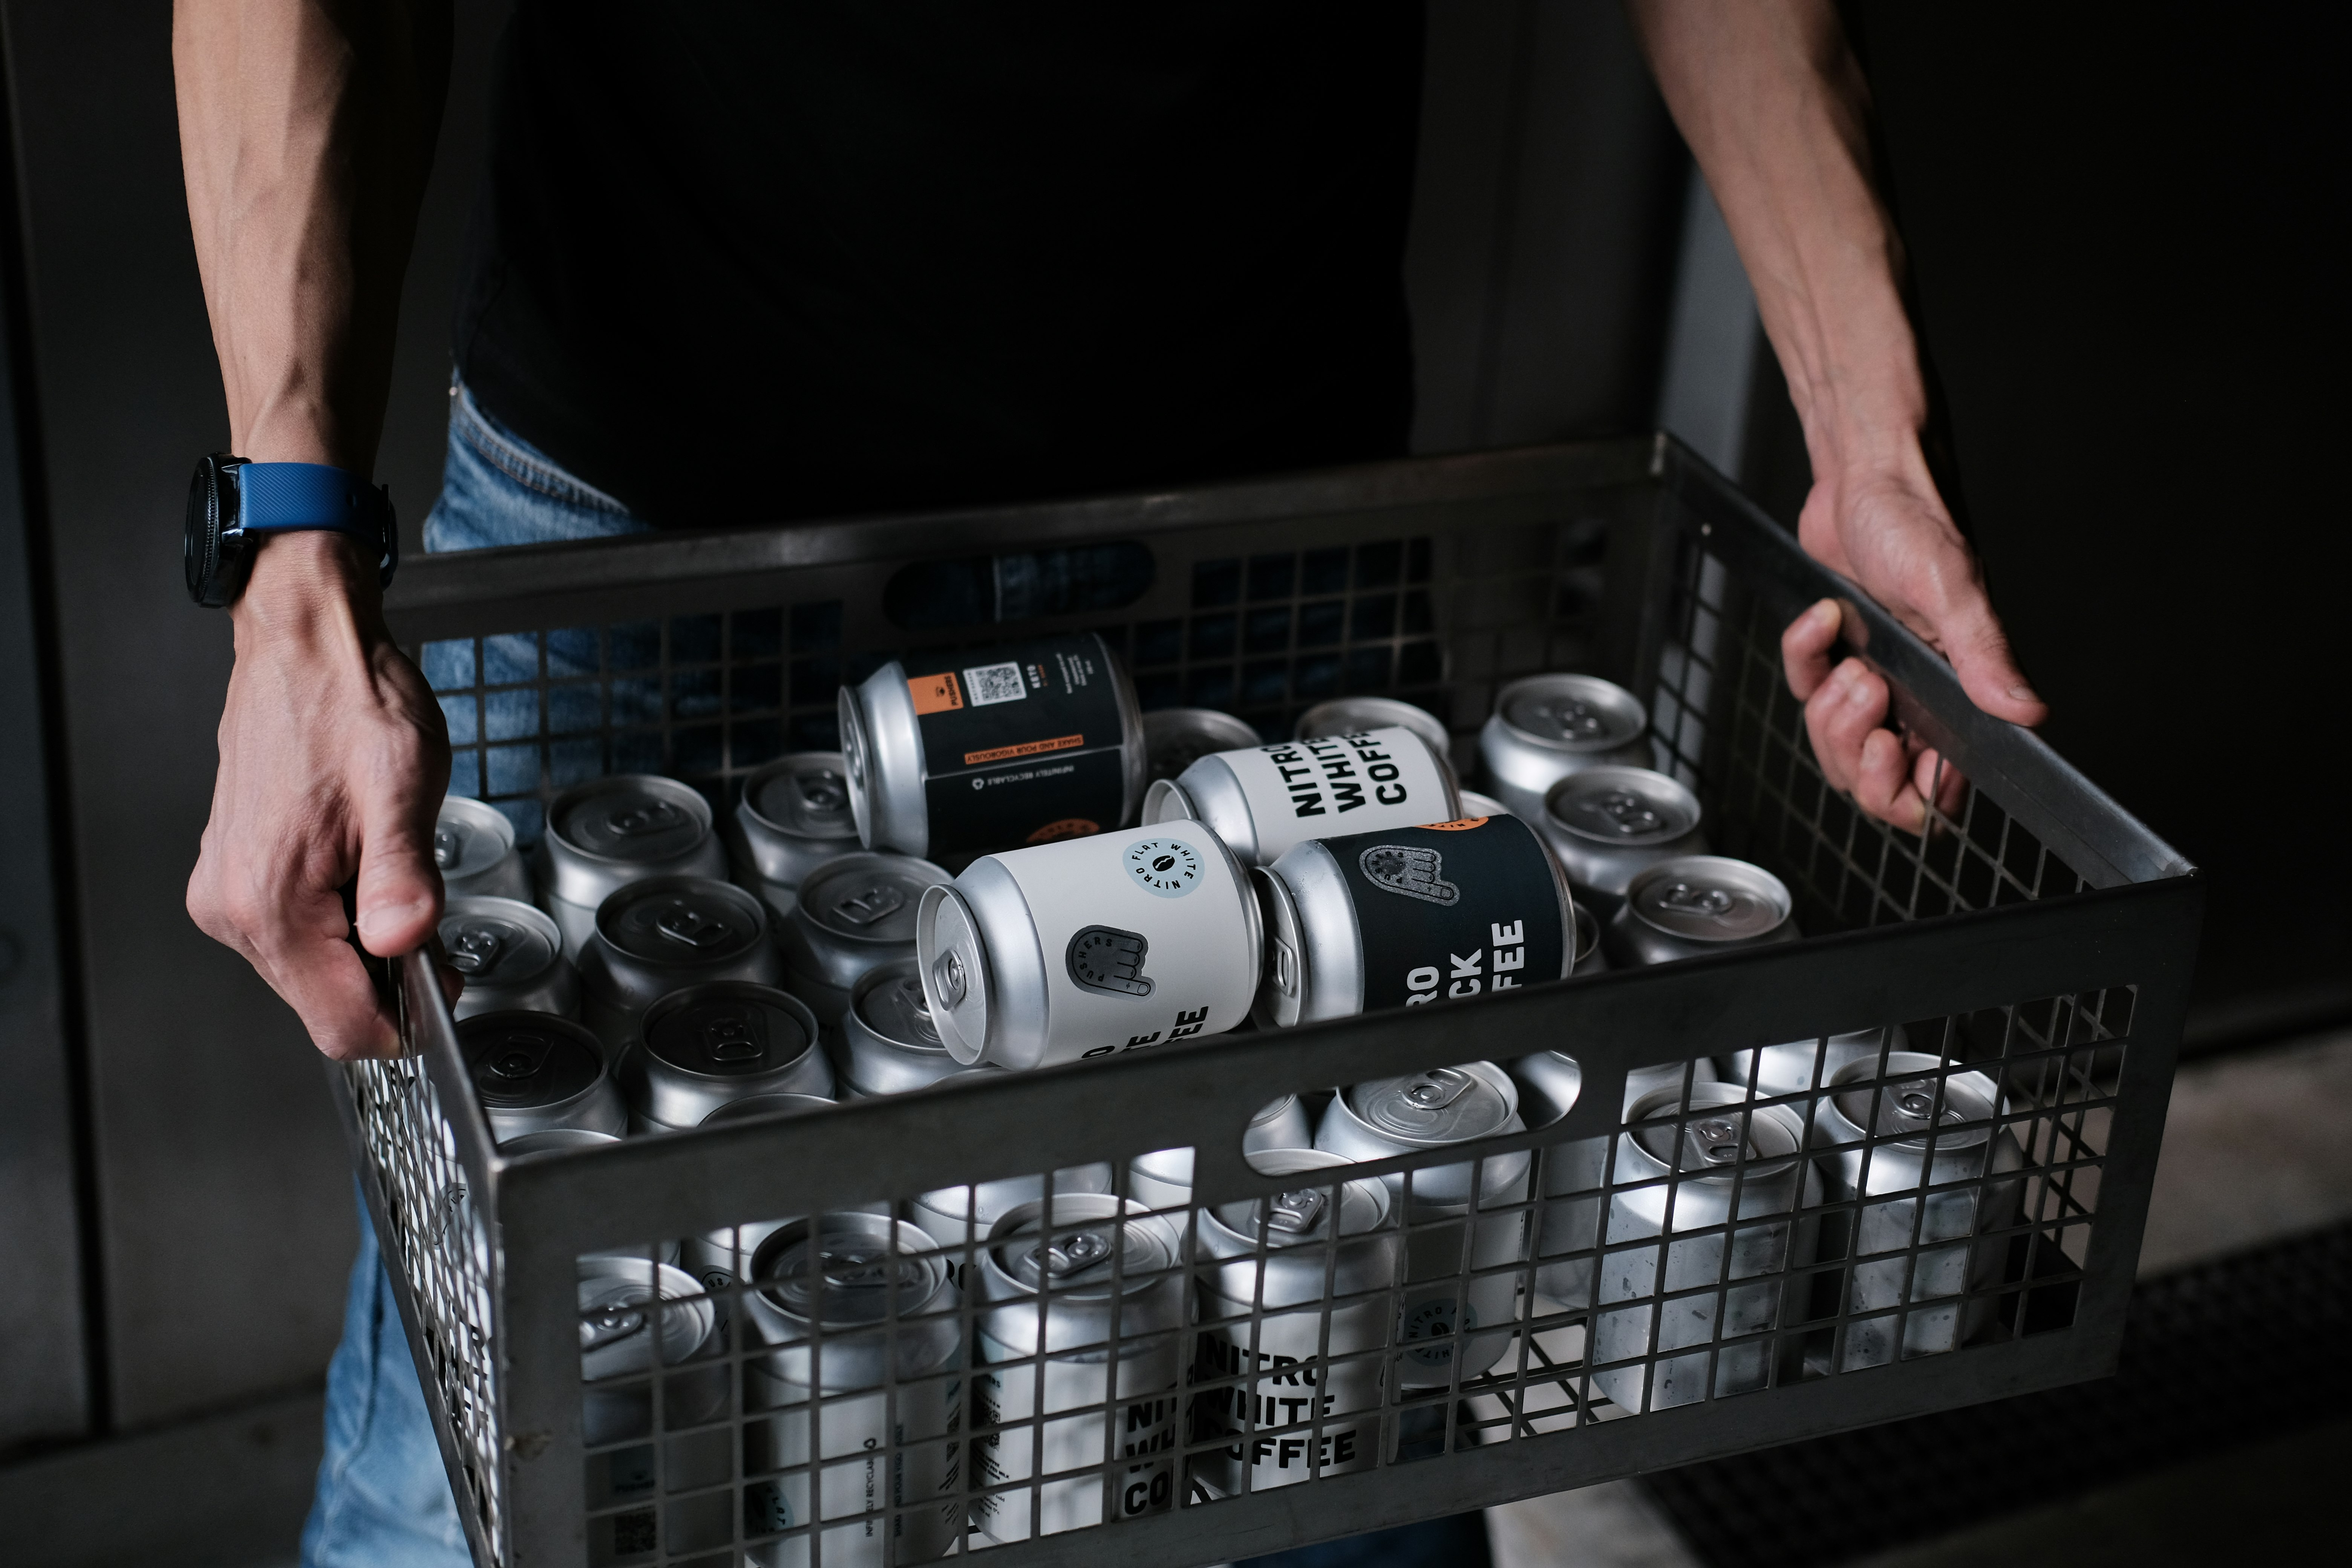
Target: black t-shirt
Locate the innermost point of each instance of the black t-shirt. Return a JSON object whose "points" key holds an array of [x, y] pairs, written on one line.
{"points": [[736, 262]]}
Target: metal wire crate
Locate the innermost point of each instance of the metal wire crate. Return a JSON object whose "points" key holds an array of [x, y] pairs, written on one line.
{"points": [[2040, 938]]}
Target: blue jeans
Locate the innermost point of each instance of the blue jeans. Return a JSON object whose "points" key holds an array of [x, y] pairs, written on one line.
{"points": [[382, 1498]]}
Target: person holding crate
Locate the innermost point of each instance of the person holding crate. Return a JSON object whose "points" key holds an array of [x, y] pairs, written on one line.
{"points": [[744, 264]]}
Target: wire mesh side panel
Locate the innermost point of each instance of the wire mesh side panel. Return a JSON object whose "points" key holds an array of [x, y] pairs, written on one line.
{"points": [[432, 1237]]}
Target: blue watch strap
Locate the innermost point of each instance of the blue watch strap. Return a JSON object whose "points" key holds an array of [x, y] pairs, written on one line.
{"points": [[285, 498]]}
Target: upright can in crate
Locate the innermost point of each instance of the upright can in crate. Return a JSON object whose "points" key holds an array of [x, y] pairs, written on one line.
{"points": [[1301, 1320], [1679, 1164], [1087, 1301], [884, 1442], [793, 816], [1026, 743], [474, 849], [1546, 727], [1447, 1314], [511, 957], [1799, 1067], [1905, 1145], [1176, 738], [1264, 799], [605, 835], [1410, 916], [1085, 949], [714, 1045], [891, 1042], [537, 1073], [663, 935], [1697, 906], [1163, 1177], [852, 916], [1609, 824]]}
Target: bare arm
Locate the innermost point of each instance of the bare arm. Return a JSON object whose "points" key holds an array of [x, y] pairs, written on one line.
{"points": [[1774, 106], [306, 132]]}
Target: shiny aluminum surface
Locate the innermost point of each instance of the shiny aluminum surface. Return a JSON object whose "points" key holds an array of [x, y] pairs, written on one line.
{"points": [[791, 816], [608, 833], [1546, 727], [1697, 905], [705, 1046], [1476, 804], [665, 934], [891, 1042], [854, 915], [1353, 715], [1163, 1178], [511, 956], [953, 1215], [1609, 824], [534, 1072], [1176, 738], [635, 1316], [474, 849], [1314, 962], [1789, 1068]]}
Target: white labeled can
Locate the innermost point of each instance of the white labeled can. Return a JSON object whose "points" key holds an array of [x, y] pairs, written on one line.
{"points": [[1262, 800], [793, 816], [1546, 727], [511, 957], [1354, 715], [1090, 947], [612, 832], [474, 849]]}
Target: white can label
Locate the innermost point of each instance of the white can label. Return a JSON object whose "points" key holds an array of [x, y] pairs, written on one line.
{"points": [[1364, 783]]}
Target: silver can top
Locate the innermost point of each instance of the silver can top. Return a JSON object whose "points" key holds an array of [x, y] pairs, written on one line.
{"points": [[1903, 1109], [805, 795], [522, 1061], [867, 898], [1573, 712], [1305, 1216], [1634, 807], [1704, 1136], [619, 1313], [1176, 738], [1431, 1109], [470, 836], [844, 1272], [1101, 1264], [1708, 898], [728, 1030], [631, 819], [1353, 715], [682, 922], [498, 941], [895, 1010]]}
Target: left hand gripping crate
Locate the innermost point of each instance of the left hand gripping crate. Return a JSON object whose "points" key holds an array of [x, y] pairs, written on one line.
{"points": [[2035, 946]]}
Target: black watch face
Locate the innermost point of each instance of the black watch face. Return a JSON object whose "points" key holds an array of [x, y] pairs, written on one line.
{"points": [[211, 555]]}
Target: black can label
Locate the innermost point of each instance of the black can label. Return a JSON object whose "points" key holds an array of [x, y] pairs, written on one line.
{"points": [[1452, 910], [1023, 745]]}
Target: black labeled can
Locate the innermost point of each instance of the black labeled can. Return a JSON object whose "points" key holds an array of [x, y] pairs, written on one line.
{"points": [[1025, 742], [1410, 916]]}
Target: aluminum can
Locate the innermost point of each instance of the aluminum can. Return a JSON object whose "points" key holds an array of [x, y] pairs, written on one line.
{"points": [[848, 1090], [1060, 1290], [854, 915], [1320, 1288], [1609, 824], [1029, 742], [1589, 957], [1081, 950], [890, 1041], [553, 1139], [884, 1440], [1262, 800], [710, 1045], [1410, 916], [1176, 738], [614, 831], [511, 956], [1696, 906], [1789, 1068], [663, 935], [1546, 727], [791, 816], [961, 1218], [1694, 1152], [1476, 804], [722, 1258], [621, 1341], [1442, 1309], [474, 848], [1354, 715], [756, 1107], [1877, 1134], [533, 1072], [1163, 1178]]}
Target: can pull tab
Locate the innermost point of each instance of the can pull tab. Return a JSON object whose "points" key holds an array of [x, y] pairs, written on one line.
{"points": [[474, 950], [733, 1038], [612, 1321], [918, 1008], [1437, 1088], [691, 928], [856, 1269], [1281, 966], [870, 904], [1295, 1214], [1629, 814], [949, 976], [635, 821], [823, 790], [1712, 902], [448, 847], [1575, 720], [1718, 1140], [1916, 1101], [520, 1056], [1062, 1256]]}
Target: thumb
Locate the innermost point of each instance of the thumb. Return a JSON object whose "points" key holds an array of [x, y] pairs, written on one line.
{"points": [[399, 895], [1979, 649]]}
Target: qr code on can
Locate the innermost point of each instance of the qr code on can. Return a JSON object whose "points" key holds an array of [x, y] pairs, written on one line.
{"points": [[994, 683]]}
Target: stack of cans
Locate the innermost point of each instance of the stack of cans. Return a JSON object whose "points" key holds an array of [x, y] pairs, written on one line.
{"points": [[793, 816], [1548, 727]]}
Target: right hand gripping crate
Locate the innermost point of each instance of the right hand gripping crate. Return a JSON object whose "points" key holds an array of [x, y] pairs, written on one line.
{"points": [[2039, 936]]}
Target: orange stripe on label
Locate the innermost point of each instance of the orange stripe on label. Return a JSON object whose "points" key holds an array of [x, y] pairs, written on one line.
{"points": [[937, 693], [1459, 825], [1025, 749]]}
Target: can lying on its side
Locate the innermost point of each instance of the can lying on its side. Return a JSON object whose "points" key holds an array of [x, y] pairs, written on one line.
{"points": [[793, 816], [614, 831], [474, 848], [1106, 1272], [1163, 1178], [1088, 948], [1310, 1406], [724, 1041], [1409, 916], [1546, 727], [511, 956], [1697, 905], [1609, 824], [1029, 742], [1176, 738], [1696, 1152], [1476, 804], [852, 916], [663, 935], [534, 1072], [1789, 1068], [831, 1289], [1442, 1312], [1887, 1126], [1354, 715], [1262, 800]]}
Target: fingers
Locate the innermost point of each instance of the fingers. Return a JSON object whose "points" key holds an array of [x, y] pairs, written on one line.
{"points": [[295, 940], [1973, 640], [1861, 756], [1881, 785], [1841, 716], [1805, 648], [399, 894]]}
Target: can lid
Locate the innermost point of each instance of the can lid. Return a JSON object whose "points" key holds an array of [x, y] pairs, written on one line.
{"points": [[617, 1313], [1903, 1109], [1176, 738], [840, 1270], [1573, 712], [727, 1029], [470, 837], [519, 1059], [497, 941], [1077, 1259], [1631, 807], [1703, 1139], [634, 817], [806, 795], [867, 898], [1354, 715], [1305, 1214], [682, 920], [1707, 898], [1445, 1105], [954, 965], [896, 1010]]}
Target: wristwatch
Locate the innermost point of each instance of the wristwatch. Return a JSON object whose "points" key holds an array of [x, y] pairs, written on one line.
{"points": [[234, 505]]}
